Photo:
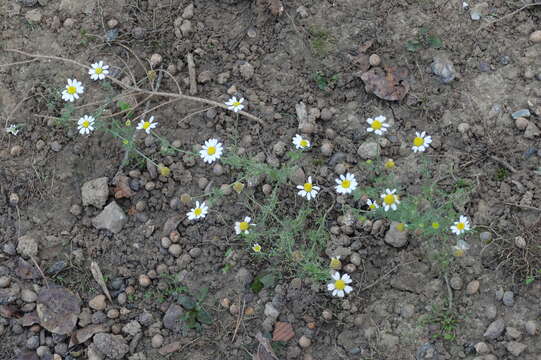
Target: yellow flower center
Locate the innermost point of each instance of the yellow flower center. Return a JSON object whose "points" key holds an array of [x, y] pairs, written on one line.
{"points": [[125, 142], [72, 90], [435, 225], [401, 227], [418, 141], [346, 184], [303, 143], [198, 211], [390, 164], [389, 199], [459, 252], [98, 71], [257, 248], [372, 206], [211, 150], [244, 226], [336, 263], [460, 226], [86, 124], [376, 125], [307, 187], [236, 103], [340, 284], [146, 125]]}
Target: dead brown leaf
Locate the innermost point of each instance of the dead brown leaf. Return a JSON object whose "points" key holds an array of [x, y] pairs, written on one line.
{"points": [[58, 309], [390, 83], [283, 331], [122, 188]]}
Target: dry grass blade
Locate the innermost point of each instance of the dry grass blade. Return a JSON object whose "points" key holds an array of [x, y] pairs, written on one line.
{"points": [[98, 276]]}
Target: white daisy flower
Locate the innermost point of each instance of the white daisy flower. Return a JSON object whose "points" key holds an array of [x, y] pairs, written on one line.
{"points": [[98, 71], [147, 125], [377, 125], [308, 190], [12, 129], [460, 248], [256, 248], [390, 200], [198, 212], [461, 226], [300, 142], [243, 227], [234, 104], [372, 205], [85, 125], [346, 184], [340, 286], [73, 89], [421, 142], [212, 150]]}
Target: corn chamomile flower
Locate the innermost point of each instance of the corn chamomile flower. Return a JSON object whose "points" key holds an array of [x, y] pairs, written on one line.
{"points": [[12, 129], [390, 200], [421, 142], [211, 151], [346, 184], [147, 125], [85, 125], [243, 227], [256, 248], [340, 286], [234, 104], [435, 225], [461, 225], [372, 205], [300, 142], [335, 263], [308, 190], [198, 212], [98, 71], [460, 248], [73, 90], [377, 125]]}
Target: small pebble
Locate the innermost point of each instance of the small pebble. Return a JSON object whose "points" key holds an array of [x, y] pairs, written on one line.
{"points": [[166, 242], [144, 280], [531, 327], [374, 60], [112, 23], [463, 128], [113, 314], [305, 342], [521, 113], [521, 123], [456, 283], [327, 315], [472, 287], [508, 298], [225, 302], [326, 148], [157, 341], [155, 60], [535, 37], [175, 250]]}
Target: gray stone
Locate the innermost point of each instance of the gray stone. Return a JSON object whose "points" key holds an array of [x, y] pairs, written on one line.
{"points": [[368, 150], [531, 327], [113, 346], [456, 282], [188, 12], [531, 131], [512, 333], [9, 248], [481, 348], [515, 348], [508, 298], [112, 218], [171, 319], [97, 302], [271, 311], [444, 69], [395, 237], [132, 328], [28, 295], [521, 113], [389, 341], [427, 351], [297, 176], [95, 192], [246, 70], [495, 329], [472, 287], [32, 342], [186, 28], [27, 246]]}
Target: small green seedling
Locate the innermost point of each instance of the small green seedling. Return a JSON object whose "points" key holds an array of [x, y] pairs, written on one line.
{"points": [[195, 315]]}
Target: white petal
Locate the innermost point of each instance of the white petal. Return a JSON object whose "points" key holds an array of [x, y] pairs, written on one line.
{"points": [[330, 286], [336, 275], [348, 289]]}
